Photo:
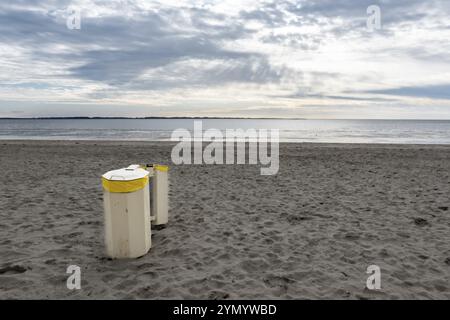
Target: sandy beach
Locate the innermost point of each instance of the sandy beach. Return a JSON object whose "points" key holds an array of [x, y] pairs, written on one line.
{"points": [[309, 232]]}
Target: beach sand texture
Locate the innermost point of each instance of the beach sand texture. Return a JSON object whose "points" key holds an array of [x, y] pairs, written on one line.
{"points": [[308, 232]]}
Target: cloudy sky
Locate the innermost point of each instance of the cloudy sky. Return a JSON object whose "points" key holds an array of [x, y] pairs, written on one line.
{"points": [[294, 58]]}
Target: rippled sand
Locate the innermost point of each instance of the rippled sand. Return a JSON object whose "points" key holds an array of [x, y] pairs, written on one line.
{"points": [[309, 232]]}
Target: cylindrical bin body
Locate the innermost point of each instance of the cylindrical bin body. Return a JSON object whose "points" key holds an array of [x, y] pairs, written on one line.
{"points": [[126, 201], [160, 194]]}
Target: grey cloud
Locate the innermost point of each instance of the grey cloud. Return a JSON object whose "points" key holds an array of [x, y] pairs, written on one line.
{"points": [[353, 12], [432, 53], [268, 14], [352, 98], [116, 67], [352, 8], [432, 92], [130, 47], [239, 70], [306, 95]]}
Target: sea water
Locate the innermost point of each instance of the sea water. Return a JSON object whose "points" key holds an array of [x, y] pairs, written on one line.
{"points": [[329, 131]]}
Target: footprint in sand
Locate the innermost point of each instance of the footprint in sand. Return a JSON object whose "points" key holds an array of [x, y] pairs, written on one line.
{"points": [[218, 295], [421, 222], [12, 269], [277, 281]]}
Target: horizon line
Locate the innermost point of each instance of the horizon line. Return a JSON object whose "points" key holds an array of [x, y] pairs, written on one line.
{"points": [[203, 117]]}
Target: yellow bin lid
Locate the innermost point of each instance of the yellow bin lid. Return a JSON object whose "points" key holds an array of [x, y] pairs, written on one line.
{"points": [[125, 180]]}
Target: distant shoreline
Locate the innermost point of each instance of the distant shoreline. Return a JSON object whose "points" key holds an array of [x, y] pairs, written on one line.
{"points": [[143, 118], [201, 118]]}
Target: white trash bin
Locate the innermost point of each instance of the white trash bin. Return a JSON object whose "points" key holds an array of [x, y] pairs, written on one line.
{"points": [[126, 201], [159, 194]]}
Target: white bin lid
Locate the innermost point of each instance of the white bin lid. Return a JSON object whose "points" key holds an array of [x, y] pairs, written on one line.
{"points": [[133, 172]]}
